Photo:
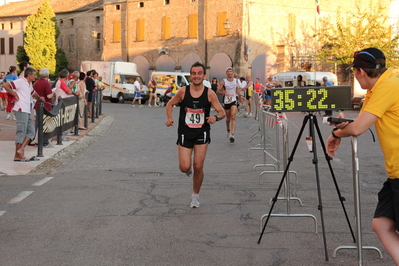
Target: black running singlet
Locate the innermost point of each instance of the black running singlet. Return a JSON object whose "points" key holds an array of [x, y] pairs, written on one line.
{"points": [[193, 113]]}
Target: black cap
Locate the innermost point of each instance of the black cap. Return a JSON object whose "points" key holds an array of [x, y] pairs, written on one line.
{"points": [[367, 58], [242, 78]]}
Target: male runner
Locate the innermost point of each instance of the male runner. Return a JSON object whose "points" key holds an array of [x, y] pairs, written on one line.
{"points": [[194, 125], [230, 88]]}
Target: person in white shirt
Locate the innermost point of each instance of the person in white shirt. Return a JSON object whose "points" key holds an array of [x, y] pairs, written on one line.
{"points": [[22, 90], [137, 91]]}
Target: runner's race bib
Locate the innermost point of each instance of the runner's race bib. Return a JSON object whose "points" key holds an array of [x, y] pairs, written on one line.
{"points": [[195, 118], [229, 98]]}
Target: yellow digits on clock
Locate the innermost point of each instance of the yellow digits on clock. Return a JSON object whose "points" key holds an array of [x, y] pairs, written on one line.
{"points": [[278, 104], [309, 103], [320, 104], [289, 103]]}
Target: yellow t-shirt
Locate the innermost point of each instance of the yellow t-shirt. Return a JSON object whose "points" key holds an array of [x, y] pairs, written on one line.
{"points": [[250, 89], [383, 101], [174, 89]]}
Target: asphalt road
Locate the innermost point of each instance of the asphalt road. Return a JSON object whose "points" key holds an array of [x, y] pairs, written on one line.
{"points": [[123, 201]]}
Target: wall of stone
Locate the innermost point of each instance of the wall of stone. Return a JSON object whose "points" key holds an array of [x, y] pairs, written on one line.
{"points": [[281, 30], [76, 37]]}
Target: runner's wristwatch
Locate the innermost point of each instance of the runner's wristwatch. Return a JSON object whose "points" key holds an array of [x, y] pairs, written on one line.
{"points": [[217, 117], [333, 134]]}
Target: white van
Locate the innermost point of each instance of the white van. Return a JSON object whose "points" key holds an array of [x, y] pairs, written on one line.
{"points": [[164, 79], [289, 79], [118, 78]]}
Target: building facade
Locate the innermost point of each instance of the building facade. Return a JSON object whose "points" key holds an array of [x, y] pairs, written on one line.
{"points": [[256, 37], [80, 23]]}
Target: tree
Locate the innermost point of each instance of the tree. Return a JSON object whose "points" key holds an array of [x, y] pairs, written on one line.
{"points": [[21, 54], [40, 41], [354, 31]]}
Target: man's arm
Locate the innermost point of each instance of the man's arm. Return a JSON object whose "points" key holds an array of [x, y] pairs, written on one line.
{"points": [[356, 128], [249, 84], [218, 108], [169, 107], [220, 88], [7, 86]]}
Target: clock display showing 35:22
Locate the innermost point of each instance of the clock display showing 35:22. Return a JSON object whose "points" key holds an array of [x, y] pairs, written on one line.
{"points": [[309, 99]]}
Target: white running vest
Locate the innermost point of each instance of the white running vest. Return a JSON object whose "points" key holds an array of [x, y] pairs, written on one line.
{"points": [[231, 87]]}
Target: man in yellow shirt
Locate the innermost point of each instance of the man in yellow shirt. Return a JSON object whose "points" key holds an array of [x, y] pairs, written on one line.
{"points": [[381, 108]]}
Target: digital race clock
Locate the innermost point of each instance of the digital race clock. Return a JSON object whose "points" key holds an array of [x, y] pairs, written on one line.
{"points": [[308, 99]]}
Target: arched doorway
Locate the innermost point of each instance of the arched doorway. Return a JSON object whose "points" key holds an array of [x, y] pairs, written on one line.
{"points": [[263, 66], [142, 67], [218, 64], [165, 63], [189, 60], [117, 59]]}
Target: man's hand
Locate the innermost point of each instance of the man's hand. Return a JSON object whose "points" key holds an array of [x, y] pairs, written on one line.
{"points": [[340, 125], [169, 122], [332, 145], [211, 119]]}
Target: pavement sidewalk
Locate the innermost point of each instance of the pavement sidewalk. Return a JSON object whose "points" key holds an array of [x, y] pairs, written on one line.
{"points": [[7, 147]]}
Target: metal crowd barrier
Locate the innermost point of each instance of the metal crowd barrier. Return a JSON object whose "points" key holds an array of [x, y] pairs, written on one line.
{"points": [[356, 192]]}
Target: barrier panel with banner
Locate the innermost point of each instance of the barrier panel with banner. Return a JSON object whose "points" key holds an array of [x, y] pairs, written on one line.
{"points": [[62, 117]]}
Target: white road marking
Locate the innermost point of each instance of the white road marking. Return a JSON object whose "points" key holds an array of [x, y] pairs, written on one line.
{"points": [[41, 182], [2, 212], [21, 196]]}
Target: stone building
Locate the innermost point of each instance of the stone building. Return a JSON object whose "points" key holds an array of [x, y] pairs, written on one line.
{"points": [[256, 37], [80, 23]]}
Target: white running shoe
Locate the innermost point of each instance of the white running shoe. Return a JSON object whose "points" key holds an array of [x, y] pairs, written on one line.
{"points": [[140, 106], [228, 134], [132, 105], [232, 139], [149, 105], [8, 117], [194, 201]]}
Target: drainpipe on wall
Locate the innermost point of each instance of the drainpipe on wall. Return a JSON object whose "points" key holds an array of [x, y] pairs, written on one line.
{"points": [[126, 34]]}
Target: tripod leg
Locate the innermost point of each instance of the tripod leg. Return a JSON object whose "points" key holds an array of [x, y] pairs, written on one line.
{"points": [[315, 162], [290, 159], [328, 159]]}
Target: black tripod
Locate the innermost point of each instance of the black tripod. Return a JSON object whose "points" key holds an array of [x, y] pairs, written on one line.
{"points": [[312, 119]]}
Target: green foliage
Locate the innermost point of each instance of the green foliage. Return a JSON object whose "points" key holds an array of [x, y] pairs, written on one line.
{"points": [[40, 42], [21, 55], [357, 30], [62, 61]]}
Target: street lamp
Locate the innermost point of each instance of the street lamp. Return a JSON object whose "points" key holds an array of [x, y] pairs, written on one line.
{"points": [[227, 25]]}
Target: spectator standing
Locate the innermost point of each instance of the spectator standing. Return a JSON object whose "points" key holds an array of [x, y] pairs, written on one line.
{"points": [[82, 99], [248, 95], [90, 87], [12, 71], [3, 93], [214, 85], [61, 88], [326, 82], [380, 109], [152, 86], [137, 92], [43, 89], [300, 81], [22, 90], [258, 87], [268, 91], [73, 81], [206, 83]]}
